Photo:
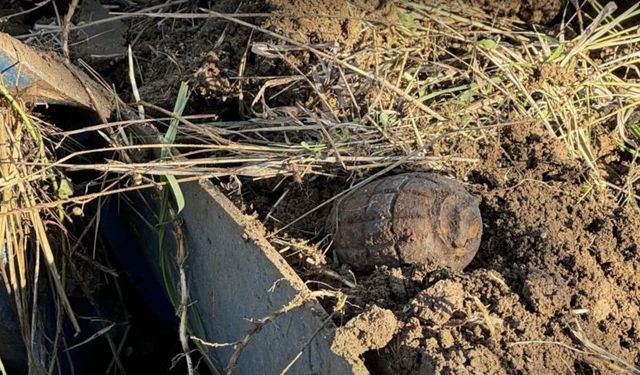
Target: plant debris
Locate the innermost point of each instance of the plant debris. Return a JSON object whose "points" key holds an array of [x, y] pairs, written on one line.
{"points": [[296, 105]]}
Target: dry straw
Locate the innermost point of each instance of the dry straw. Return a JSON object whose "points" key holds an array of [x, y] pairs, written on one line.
{"points": [[25, 231], [357, 122], [456, 77]]}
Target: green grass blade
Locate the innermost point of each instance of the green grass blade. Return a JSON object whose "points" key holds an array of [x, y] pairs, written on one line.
{"points": [[181, 103], [177, 192], [168, 273]]}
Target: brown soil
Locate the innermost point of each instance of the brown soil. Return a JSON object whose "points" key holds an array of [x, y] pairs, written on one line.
{"points": [[558, 263], [534, 12], [371, 330], [552, 261], [305, 21], [165, 61]]}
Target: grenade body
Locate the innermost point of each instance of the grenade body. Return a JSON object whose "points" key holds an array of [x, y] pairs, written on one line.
{"points": [[412, 218]]}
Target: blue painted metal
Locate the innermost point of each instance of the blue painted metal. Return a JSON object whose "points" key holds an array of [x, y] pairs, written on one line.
{"points": [[15, 75], [128, 242], [12, 351], [38, 77], [19, 76]]}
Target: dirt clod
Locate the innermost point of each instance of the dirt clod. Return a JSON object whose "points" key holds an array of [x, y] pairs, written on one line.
{"points": [[373, 329], [545, 293], [439, 303]]}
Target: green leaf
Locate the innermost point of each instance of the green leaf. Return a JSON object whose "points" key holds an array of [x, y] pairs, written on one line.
{"points": [[635, 130], [468, 96], [170, 137], [177, 192], [168, 271], [489, 44], [465, 120], [557, 52], [387, 118], [181, 103], [409, 22], [314, 148], [65, 188]]}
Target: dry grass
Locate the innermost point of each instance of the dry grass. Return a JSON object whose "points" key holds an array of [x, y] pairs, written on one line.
{"points": [[453, 78], [28, 230], [353, 121], [594, 354], [478, 74]]}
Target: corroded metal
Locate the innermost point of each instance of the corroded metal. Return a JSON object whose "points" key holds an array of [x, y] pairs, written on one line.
{"points": [[413, 218]]}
